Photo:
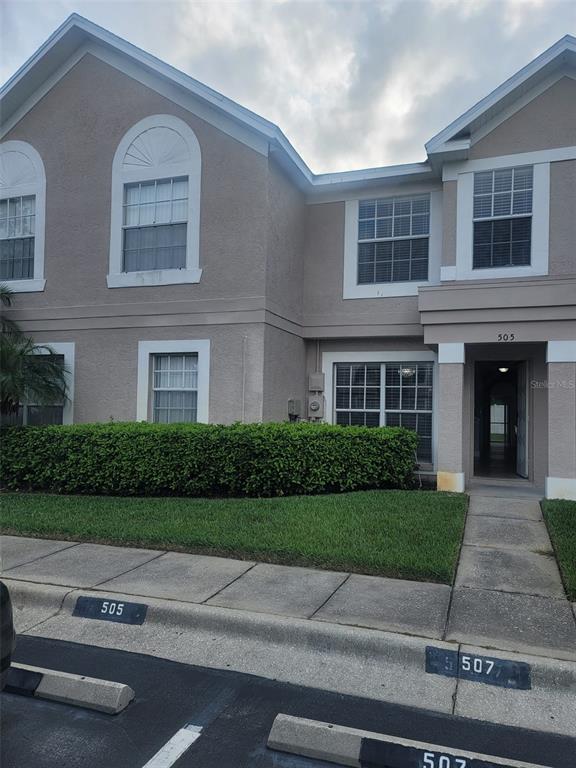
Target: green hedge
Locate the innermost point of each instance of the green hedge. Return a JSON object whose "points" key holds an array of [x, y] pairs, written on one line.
{"points": [[137, 459]]}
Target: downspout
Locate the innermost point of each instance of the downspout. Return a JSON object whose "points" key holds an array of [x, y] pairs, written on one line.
{"points": [[244, 342]]}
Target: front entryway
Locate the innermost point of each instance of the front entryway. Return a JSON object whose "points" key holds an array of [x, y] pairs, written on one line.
{"points": [[500, 418]]}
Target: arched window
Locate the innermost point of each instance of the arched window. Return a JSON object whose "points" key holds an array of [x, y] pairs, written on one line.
{"points": [[155, 219], [22, 215]]}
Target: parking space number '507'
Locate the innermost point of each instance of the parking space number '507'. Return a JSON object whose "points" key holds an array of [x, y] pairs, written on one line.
{"points": [[435, 760]]}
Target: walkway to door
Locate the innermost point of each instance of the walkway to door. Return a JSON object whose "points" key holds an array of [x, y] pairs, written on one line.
{"points": [[507, 579]]}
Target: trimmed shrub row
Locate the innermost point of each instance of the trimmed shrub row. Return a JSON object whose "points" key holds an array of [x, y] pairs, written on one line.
{"points": [[137, 459]]}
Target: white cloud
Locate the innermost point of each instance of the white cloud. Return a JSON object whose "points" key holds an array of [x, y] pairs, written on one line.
{"points": [[352, 83]]}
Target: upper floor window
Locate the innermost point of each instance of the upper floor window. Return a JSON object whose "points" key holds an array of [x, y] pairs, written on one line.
{"points": [[17, 224], [393, 235], [22, 203], [155, 205], [155, 224], [502, 217]]}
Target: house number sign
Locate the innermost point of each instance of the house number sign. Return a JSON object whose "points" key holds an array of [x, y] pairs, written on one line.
{"points": [[506, 337]]}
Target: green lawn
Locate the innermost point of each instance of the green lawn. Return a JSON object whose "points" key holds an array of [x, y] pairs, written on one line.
{"points": [[561, 520], [403, 534]]}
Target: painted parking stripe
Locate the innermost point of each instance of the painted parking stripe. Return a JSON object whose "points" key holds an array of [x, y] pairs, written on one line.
{"points": [[175, 748]]}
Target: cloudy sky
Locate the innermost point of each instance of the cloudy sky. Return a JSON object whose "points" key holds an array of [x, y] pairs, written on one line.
{"points": [[352, 83]]}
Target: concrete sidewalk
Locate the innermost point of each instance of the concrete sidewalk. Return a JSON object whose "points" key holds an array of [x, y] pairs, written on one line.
{"points": [[507, 594], [350, 634]]}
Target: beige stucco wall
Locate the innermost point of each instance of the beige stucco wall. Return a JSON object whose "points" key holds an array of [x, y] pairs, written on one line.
{"points": [[251, 253], [549, 120], [285, 246], [449, 198], [77, 155], [562, 255], [451, 417], [562, 419], [323, 286], [284, 373], [106, 373]]}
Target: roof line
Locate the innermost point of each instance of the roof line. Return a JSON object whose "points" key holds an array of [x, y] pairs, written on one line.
{"points": [[568, 42], [238, 112], [265, 127]]}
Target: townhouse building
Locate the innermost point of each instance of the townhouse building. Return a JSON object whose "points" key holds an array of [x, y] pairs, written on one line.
{"points": [[178, 254]]}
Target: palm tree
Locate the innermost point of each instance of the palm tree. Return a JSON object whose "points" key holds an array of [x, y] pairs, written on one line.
{"points": [[7, 325], [28, 371]]}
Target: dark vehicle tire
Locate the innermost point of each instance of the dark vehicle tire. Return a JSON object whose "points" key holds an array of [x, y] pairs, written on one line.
{"points": [[7, 634]]}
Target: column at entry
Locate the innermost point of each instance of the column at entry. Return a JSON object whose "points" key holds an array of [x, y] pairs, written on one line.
{"points": [[450, 475]]}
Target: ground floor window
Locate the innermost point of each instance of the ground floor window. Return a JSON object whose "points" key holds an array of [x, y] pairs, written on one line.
{"points": [[173, 381], [175, 388], [387, 394]]}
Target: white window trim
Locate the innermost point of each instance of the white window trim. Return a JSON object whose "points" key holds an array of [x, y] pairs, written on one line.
{"points": [[378, 290], [465, 224], [68, 350], [38, 189], [148, 348], [120, 176], [329, 359]]}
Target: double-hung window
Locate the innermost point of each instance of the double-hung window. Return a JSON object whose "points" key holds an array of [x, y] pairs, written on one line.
{"points": [[503, 218], [155, 225], [155, 205], [387, 394], [175, 388], [393, 239], [22, 217], [17, 229]]}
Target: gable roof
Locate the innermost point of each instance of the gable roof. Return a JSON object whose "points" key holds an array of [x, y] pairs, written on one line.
{"points": [[45, 67], [560, 57]]}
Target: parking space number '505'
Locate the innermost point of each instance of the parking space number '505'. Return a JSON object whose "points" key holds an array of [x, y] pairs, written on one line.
{"points": [[112, 609]]}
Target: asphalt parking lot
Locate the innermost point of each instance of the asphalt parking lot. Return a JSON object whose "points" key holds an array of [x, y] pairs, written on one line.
{"points": [[235, 712]]}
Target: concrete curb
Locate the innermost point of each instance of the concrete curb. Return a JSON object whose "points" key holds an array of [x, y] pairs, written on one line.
{"points": [[354, 747], [378, 665], [76, 690]]}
